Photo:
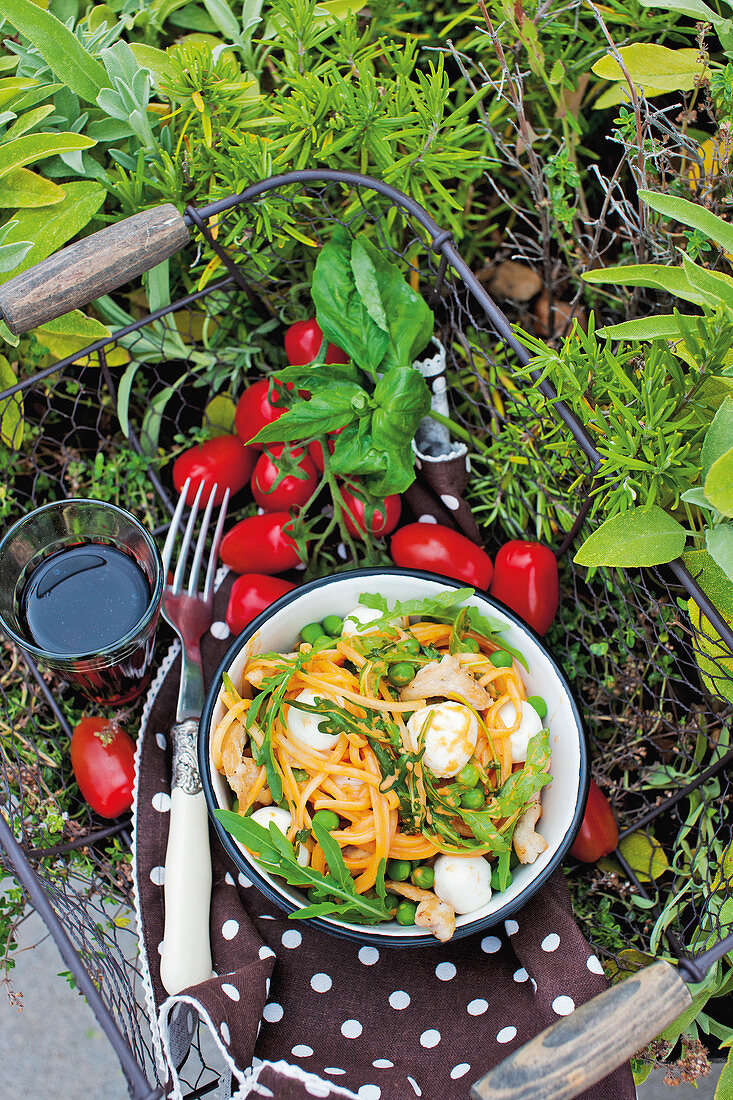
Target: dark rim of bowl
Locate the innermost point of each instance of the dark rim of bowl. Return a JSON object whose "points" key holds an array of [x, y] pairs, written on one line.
{"points": [[250, 869]]}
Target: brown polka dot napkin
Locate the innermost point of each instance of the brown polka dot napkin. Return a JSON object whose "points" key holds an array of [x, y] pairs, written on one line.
{"points": [[297, 1013]]}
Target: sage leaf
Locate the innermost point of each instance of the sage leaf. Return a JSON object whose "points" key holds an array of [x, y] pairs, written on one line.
{"points": [[719, 436], [691, 215], [641, 536], [671, 280], [72, 332], [697, 496], [11, 409], [58, 46], [719, 542], [645, 856], [33, 147], [648, 63], [52, 227], [719, 483], [695, 9], [28, 121], [645, 328], [713, 656]]}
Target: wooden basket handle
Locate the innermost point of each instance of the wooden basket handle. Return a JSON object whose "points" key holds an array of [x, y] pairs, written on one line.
{"points": [[572, 1054], [84, 271]]}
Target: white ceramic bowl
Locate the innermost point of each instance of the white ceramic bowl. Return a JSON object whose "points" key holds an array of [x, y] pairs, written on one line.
{"points": [[563, 800]]}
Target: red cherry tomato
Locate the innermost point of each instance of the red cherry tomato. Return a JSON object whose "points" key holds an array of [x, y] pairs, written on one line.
{"points": [[525, 579], [103, 759], [254, 410], [441, 550], [260, 545], [292, 491], [303, 342], [223, 460], [250, 595], [385, 517], [598, 834]]}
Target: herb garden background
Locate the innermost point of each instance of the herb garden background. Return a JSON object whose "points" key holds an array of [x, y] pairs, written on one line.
{"points": [[580, 155]]}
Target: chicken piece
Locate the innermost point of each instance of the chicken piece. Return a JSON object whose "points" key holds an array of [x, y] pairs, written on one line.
{"points": [[432, 913], [446, 678], [528, 844], [243, 779]]}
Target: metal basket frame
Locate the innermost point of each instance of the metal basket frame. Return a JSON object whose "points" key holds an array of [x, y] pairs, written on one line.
{"points": [[441, 243]]}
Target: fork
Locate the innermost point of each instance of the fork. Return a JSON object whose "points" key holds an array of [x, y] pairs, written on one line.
{"points": [[186, 948]]}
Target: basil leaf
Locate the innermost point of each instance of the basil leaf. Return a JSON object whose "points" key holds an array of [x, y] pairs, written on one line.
{"points": [[327, 411], [312, 376], [398, 475], [408, 319], [341, 314], [402, 398], [355, 453]]}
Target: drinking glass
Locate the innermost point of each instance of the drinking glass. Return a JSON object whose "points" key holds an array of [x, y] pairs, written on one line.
{"points": [[105, 650]]}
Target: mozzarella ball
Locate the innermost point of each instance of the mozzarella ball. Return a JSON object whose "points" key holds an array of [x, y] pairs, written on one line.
{"points": [[357, 620], [464, 883], [282, 819], [305, 727], [530, 724], [450, 738]]}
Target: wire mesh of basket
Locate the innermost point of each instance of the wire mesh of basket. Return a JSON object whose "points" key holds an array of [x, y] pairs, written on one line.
{"points": [[648, 654]]}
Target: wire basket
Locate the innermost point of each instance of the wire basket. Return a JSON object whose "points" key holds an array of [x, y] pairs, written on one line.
{"points": [[659, 734]]}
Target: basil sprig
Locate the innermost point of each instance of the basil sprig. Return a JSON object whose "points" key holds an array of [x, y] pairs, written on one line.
{"points": [[276, 854]]}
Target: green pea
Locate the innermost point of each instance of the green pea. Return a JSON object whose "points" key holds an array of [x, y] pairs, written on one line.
{"points": [[468, 776], [310, 632], [495, 884], [327, 818], [501, 659], [333, 625], [300, 775], [398, 869], [539, 704], [473, 800], [401, 673], [323, 641], [470, 645], [411, 645], [424, 877], [406, 912]]}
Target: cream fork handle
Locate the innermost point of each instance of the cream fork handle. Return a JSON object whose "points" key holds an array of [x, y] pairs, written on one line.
{"points": [[186, 950]]}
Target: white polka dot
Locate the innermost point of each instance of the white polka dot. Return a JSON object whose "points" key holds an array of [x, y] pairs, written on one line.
{"points": [[229, 929], [506, 1035], [267, 987], [369, 1092], [425, 518], [291, 938], [300, 567], [228, 879], [520, 975], [491, 944], [161, 802], [321, 1089], [302, 1050], [321, 983], [445, 971], [477, 1007], [468, 464], [273, 1012], [342, 551], [333, 1069], [266, 952], [161, 742], [460, 1070], [160, 948], [511, 927], [563, 1006], [266, 916], [368, 955], [551, 942], [399, 999], [430, 1038], [157, 875], [382, 1063], [231, 991], [220, 630], [594, 965], [415, 1087], [243, 880], [450, 501], [224, 1029], [351, 1029]]}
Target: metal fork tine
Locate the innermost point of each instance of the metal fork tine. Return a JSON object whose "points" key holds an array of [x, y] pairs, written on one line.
{"points": [[173, 529], [186, 544], [214, 554], [198, 556]]}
